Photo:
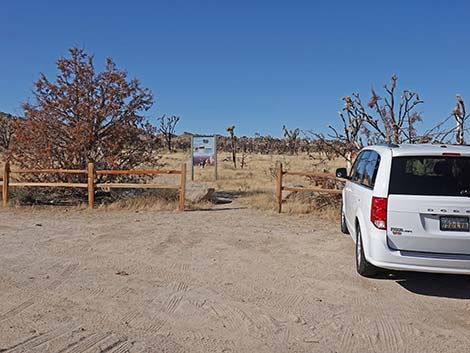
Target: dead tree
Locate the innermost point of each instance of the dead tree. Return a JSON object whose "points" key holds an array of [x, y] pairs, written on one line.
{"points": [[444, 131], [394, 126], [388, 119], [395, 118], [233, 144], [245, 146], [167, 128], [440, 133], [243, 162], [347, 141], [291, 138]]}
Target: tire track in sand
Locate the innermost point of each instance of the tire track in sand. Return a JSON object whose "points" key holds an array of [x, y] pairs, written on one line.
{"points": [[88, 343], [130, 316], [16, 309], [38, 340], [155, 327], [173, 303], [180, 286], [389, 334], [229, 318], [122, 292], [123, 347]]}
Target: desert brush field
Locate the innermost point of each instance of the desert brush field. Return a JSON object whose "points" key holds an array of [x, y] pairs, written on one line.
{"points": [[254, 185]]}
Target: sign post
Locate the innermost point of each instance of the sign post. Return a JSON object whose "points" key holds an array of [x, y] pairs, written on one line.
{"points": [[203, 152]]}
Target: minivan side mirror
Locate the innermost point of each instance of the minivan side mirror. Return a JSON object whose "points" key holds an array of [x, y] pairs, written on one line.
{"points": [[342, 173]]}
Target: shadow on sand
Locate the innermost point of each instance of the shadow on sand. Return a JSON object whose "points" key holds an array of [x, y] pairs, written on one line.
{"points": [[435, 285]]}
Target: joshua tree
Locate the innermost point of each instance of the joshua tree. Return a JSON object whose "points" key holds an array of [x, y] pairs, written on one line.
{"points": [[291, 138], [167, 128], [459, 115], [443, 132], [390, 119], [233, 144]]}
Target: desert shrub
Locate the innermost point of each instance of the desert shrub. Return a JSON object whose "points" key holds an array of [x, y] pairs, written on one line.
{"points": [[7, 130], [23, 196], [85, 116]]}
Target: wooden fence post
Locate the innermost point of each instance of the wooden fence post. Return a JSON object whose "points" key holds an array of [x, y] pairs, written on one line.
{"points": [[91, 185], [182, 186], [279, 187], [6, 182]]}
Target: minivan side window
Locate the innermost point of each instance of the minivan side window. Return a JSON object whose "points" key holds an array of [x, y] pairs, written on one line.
{"points": [[360, 164], [356, 162], [370, 170]]}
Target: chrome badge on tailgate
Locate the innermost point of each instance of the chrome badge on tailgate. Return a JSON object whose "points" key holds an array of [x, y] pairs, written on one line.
{"points": [[399, 231]]}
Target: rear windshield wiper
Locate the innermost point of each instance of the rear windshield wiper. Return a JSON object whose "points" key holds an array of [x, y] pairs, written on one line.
{"points": [[465, 193]]}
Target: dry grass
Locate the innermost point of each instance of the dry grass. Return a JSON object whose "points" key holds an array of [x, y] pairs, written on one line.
{"points": [[254, 186], [142, 202]]}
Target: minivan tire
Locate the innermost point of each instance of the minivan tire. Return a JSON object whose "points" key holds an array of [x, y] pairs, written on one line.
{"points": [[363, 267], [344, 226]]}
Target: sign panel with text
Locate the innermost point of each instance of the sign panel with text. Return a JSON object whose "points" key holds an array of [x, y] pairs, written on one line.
{"points": [[204, 152]]}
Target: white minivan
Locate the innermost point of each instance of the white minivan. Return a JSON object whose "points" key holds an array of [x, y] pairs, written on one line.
{"points": [[407, 207]]}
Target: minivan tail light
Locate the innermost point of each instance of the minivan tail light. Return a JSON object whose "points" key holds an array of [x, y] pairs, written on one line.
{"points": [[378, 212]]}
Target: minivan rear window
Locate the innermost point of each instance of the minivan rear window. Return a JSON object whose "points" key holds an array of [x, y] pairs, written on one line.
{"points": [[430, 175]]}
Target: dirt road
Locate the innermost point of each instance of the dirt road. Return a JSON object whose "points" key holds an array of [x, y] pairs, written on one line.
{"points": [[227, 280]]}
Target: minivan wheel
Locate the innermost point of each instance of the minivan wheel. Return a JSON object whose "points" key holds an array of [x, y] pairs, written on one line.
{"points": [[363, 267], [344, 226]]}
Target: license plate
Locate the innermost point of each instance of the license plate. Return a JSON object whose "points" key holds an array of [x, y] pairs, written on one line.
{"points": [[454, 223]]}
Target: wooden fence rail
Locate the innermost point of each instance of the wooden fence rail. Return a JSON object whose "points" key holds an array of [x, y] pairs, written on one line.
{"points": [[91, 181], [280, 187]]}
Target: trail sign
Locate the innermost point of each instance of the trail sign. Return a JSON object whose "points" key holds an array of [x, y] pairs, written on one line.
{"points": [[203, 152]]}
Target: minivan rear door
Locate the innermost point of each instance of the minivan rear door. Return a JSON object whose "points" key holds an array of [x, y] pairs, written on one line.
{"points": [[429, 204]]}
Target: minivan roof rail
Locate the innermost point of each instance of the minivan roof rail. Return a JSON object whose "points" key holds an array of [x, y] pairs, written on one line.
{"points": [[391, 145]]}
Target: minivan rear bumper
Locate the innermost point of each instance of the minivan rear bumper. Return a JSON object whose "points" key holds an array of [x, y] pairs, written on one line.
{"points": [[381, 255]]}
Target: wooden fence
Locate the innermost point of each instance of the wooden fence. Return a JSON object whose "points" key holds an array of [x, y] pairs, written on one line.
{"points": [[280, 187], [91, 182]]}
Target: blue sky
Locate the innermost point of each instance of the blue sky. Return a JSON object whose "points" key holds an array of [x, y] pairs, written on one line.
{"points": [[255, 64]]}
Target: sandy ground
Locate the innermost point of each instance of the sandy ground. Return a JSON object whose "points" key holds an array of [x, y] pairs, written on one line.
{"points": [[225, 280]]}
